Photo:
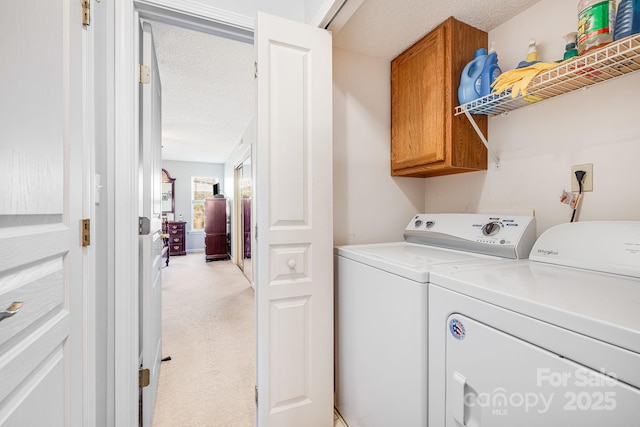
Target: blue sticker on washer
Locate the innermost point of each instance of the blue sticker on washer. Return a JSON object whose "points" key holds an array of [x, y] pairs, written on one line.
{"points": [[457, 329]]}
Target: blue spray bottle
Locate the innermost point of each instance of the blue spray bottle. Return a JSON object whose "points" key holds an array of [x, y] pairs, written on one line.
{"points": [[490, 71], [470, 81]]}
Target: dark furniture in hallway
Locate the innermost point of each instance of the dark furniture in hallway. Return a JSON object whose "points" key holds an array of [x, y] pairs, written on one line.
{"points": [[215, 229]]}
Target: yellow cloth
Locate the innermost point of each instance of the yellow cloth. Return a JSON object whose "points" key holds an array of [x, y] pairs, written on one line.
{"points": [[517, 80]]}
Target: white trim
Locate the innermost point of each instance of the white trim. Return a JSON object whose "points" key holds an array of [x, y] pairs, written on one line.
{"points": [[200, 10], [192, 251], [336, 13], [125, 216], [326, 12], [89, 211], [198, 16]]}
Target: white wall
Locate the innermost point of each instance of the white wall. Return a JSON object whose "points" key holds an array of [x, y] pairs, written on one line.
{"points": [[539, 143], [369, 205]]}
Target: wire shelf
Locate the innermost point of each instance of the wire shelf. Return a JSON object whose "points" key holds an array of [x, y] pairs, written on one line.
{"points": [[612, 60]]}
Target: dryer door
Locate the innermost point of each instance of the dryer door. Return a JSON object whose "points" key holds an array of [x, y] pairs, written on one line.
{"points": [[495, 379]]}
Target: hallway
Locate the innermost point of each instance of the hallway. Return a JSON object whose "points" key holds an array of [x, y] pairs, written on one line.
{"points": [[209, 332]]}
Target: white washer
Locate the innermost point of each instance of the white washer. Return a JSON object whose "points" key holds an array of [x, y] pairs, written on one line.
{"points": [[549, 341], [381, 309]]}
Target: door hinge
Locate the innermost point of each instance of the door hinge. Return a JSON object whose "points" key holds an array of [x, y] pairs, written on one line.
{"points": [[86, 12], [144, 225], [256, 395], [255, 69], [255, 231], [86, 232], [144, 74], [144, 378]]}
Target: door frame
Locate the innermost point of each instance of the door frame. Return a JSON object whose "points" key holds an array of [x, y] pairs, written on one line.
{"points": [[126, 106], [124, 258]]}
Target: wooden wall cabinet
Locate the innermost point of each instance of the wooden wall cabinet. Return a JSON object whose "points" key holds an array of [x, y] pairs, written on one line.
{"points": [[426, 138]]}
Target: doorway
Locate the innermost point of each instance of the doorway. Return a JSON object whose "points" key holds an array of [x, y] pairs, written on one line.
{"points": [[182, 140], [281, 118]]}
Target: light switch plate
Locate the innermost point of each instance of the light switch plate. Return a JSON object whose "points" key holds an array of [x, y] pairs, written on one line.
{"points": [[587, 184]]}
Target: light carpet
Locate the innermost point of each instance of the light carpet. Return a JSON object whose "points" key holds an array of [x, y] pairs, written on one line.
{"points": [[208, 330]]}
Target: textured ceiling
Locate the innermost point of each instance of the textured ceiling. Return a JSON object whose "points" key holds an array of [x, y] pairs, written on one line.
{"points": [[207, 81], [385, 28], [208, 93]]}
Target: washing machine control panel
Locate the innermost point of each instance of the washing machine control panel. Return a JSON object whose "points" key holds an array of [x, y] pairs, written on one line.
{"points": [[508, 236]]}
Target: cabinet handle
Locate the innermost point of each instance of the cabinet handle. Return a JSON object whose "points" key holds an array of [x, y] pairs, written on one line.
{"points": [[11, 310]]}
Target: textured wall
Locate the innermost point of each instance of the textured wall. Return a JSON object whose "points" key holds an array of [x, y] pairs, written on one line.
{"points": [[369, 205]]}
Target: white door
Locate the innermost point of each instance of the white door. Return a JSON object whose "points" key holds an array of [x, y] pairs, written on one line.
{"points": [[150, 269], [41, 254], [293, 188]]}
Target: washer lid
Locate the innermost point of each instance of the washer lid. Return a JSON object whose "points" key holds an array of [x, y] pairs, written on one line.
{"points": [[409, 260], [607, 246]]}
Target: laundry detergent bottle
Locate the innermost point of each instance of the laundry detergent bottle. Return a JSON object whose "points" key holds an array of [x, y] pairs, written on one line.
{"points": [[490, 71], [627, 19], [470, 81]]}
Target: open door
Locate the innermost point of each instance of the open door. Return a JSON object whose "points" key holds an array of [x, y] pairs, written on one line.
{"points": [[150, 263], [294, 262], [42, 290]]}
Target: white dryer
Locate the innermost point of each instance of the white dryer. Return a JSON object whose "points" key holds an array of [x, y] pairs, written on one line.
{"points": [[549, 341], [382, 309]]}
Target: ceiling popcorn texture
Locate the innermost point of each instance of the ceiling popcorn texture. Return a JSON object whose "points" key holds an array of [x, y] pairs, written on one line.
{"points": [[208, 93], [385, 28]]}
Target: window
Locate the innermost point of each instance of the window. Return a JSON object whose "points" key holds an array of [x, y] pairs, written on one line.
{"points": [[201, 188]]}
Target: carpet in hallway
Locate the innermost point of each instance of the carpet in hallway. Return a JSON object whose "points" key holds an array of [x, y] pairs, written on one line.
{"points": [[209, 331]]}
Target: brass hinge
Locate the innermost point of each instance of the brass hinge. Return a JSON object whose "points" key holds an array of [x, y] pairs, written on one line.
{"points": [[255, 69], [86, 232], [86, 12], [144, 226], [144, 376], [144, 75]]}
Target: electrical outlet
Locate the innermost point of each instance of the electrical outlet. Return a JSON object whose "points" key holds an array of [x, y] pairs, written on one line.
{"points": [[587, 184]]}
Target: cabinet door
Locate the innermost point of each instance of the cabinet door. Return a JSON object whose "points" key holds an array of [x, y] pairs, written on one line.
{"points": [[215, 216], [418, 103]]}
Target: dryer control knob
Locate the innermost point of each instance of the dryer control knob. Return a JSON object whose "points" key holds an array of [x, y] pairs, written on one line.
{"points": [[418, 223], [491, 229]]}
